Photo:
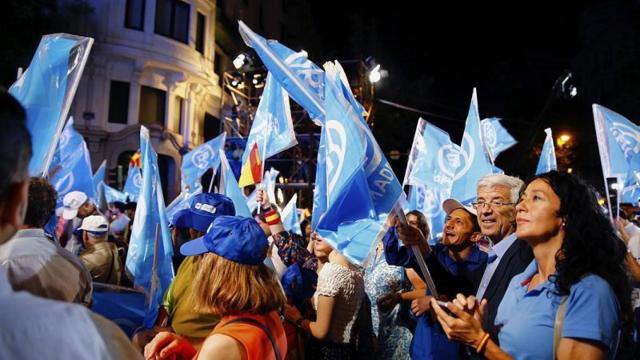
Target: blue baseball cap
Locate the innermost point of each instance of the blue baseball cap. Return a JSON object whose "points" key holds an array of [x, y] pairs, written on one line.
{"points": [[235, 238], [299, 283], [202, 210]]}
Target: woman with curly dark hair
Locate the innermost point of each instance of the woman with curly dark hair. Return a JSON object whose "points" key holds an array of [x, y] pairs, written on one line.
{"points": [[576, 286]]}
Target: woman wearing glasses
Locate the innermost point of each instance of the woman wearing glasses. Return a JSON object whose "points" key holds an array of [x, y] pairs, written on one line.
{"points": [[579, 263]]}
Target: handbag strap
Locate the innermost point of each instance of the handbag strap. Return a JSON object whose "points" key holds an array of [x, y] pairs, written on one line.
{"points": [[264, 328], [558, 324]]}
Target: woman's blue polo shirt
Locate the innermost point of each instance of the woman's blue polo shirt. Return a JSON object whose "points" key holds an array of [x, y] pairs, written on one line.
{"points": [[527, 318]]}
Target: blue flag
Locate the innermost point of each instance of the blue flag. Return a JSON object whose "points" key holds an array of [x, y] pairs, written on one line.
{"points": [[71, 165], [125, 308], [619, 145], [98, 178], [320, 189], [496, 137], [433, 164], [383, 184], [290, 219], [350, 223], [272, 128], [230, 188], [429, 202], [112, 195], [474, 160], [302, 79], [149, 257], [46, 91], [133, 184], [547, 160], [197, 161]]}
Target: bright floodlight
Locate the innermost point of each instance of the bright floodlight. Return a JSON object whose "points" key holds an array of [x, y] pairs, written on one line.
{"points": [[573, 92], [238, 62], [375, 75]]}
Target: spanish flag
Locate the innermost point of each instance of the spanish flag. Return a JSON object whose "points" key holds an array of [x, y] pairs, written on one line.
{"points": [[135, 160], [252, 169]]}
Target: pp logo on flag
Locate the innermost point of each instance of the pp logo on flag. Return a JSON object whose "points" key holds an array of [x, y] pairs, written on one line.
{"points": [[489, 134], [454, 161], [137, 179], [627, 137], [65, 184], [336, 144], [428, 202], [202, 156], [305, 70], [65, 136]]}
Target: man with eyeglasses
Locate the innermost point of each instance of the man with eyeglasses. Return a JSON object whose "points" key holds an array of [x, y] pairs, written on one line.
{"points": [[495, 203]]}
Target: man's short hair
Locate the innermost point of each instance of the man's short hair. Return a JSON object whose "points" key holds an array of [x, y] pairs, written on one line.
{"points": [[42, 203], [15, 143], [512, 182]]}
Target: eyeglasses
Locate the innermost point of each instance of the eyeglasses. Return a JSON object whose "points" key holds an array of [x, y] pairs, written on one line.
{"points": [[496, 204]]}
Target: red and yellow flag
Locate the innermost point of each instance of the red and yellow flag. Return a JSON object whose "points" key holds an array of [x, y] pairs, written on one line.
{"points": [[136, 159], [251, 172]]}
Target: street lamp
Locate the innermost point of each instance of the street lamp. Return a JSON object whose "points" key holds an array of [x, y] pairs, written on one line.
{"points": [[375, 75], [563, 139]]}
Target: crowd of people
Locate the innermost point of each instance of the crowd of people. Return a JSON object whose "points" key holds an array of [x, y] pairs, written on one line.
{"points": [[529, 270]]}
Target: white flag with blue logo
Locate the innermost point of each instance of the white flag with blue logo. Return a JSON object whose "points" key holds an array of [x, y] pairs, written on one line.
{"points": [[496, 138], [302, 79], [547, 160], [473, 159], [229, 187], [46, 90], [149, 258], [71, 165], [197, 161]]}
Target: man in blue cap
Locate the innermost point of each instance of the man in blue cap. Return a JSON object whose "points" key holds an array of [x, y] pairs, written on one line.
{"points": [[177, 309]]}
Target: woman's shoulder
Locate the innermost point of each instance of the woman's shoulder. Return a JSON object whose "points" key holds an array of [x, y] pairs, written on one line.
{"points": [[221, 346], [593, 291]]}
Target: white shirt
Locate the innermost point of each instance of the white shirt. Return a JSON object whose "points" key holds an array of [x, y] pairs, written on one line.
{"points": [[498, 250], [37, 328], [35, 264]]}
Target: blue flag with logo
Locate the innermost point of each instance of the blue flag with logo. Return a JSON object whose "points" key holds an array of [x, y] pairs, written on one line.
{"points": [[547, 160], [272, 128], [133, 184], [71, 165], [496, 138], [474, 160], [197, 161], [290, 219], [302, 79], [619, 145], [429, 202], [433, 163], [46, 90], [383, 184], [350, 223], [149, 258], [230, 188]]}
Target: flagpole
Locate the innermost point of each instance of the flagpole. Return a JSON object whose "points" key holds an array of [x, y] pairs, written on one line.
{"points": [[418, 255], [264, 160]]}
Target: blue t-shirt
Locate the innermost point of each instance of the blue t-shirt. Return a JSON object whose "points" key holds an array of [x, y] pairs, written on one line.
{"points": [[527, 318]]}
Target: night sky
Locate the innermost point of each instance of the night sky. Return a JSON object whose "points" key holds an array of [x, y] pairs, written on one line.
{"points": [[513, 53]]}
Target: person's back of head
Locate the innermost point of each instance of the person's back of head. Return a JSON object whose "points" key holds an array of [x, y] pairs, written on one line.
{"points": [[15, 153], [42, 203]]}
